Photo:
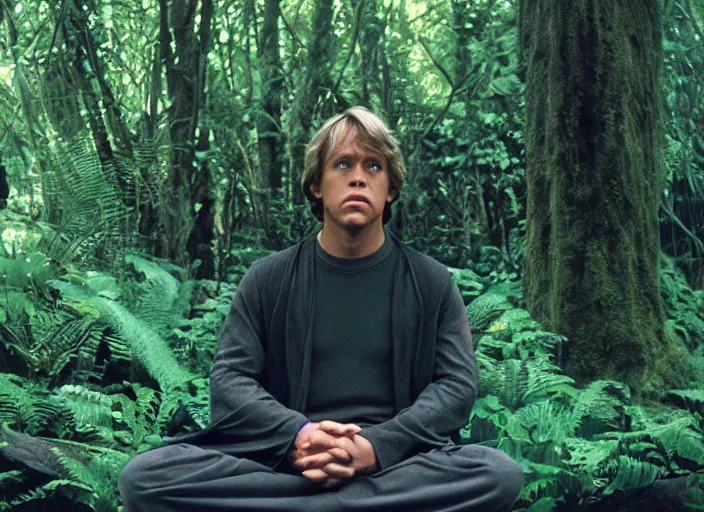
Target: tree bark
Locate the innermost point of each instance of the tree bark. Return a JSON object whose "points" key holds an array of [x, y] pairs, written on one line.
{"points": [[185, 77], [594, 165], [4, 187], [272, 85], [201, 237]]}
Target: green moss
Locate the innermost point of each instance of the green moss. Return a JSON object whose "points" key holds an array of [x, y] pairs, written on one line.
{"points": [[594, 166]]}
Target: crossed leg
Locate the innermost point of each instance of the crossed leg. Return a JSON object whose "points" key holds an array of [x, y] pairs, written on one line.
{"points": [[184, 477]]}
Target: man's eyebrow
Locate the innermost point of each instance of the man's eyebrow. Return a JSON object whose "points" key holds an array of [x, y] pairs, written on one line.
{"points": [[345, 154], [373, 155]]}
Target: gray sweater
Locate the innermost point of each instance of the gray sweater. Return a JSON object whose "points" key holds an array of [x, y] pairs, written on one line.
{"points": [[261, 373]]}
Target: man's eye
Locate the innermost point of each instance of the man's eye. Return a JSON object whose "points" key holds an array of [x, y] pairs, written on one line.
{"points": [[373, 166], [342, 164]]}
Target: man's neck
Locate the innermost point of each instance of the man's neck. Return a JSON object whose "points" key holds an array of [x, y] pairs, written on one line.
{"points": [[343, 244]]}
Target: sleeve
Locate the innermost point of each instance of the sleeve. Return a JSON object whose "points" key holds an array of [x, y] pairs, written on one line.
{"points": [[244, 414], [444, 405]]}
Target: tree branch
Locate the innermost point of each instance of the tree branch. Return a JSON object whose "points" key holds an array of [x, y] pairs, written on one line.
{"points": [[698, 244], [353, 44], [436, 62], [290, 30], [59, 23]]}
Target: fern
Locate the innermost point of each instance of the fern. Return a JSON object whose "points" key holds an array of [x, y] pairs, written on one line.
{"points": [[23, 406], [468, 282], [196, 401], [489, 409], [628, 473], [517, 382], [148, 346], [137, 415], [87, 407], [75, 491], [548, 422], [160, 290], [589, 456], [686, 317], [10, 478], [601, 407], [545, 379], [693, 399], [86, 201], [678, 440], [486, 308], [98, 477]]}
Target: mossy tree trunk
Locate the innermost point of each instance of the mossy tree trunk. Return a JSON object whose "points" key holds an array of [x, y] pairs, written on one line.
{"points": [[594, 166]]}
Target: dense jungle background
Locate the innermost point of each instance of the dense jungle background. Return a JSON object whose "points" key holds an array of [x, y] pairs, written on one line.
{"points": [[151, 150]]}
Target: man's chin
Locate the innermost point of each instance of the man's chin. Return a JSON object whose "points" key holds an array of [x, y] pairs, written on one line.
{"points": [[356, 222]]}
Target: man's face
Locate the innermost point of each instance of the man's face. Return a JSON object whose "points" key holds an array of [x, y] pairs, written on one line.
{"points": [[354, 186]]}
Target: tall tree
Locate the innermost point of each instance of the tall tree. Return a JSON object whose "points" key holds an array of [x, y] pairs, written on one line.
{"points": [[185, 77], [270, 137], [269, 125], [594, 167]]}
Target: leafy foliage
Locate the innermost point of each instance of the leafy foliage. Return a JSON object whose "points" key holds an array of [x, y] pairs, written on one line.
{"points": [[105, 345]]}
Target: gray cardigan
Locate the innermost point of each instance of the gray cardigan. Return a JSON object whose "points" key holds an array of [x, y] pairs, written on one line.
{"points": [[260, 376]]}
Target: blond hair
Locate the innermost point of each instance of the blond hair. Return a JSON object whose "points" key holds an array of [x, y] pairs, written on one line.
{"points": [[370, 132]]}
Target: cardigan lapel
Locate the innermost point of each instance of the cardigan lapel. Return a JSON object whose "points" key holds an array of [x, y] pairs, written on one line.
{"points": [[299, 325], [406, 312]]}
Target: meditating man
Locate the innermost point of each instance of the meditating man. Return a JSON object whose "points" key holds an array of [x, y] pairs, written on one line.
{"points": [[344, 366]]}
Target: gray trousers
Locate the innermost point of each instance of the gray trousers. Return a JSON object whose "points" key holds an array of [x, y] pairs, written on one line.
{"points": [[184, 477]]}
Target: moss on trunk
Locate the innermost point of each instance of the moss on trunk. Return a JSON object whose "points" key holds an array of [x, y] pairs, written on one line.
{"points": [[594, 167]]}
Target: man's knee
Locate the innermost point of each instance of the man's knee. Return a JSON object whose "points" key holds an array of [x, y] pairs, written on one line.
{"points": [[147, 471], [502, 475], [134, 477], [511, 474], [506, 475]]}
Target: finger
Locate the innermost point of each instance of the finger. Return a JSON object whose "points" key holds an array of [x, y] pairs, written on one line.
{"points": [[315, 475], [340, 454], [339, 429], [319, 441], [319, 461], [304, 434], [335, 470]]}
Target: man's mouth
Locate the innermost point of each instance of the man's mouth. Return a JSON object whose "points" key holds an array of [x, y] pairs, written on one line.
{"points": [[356, 198]]}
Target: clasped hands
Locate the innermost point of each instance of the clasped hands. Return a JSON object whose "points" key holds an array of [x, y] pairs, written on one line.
{"points": [[329, 453]]}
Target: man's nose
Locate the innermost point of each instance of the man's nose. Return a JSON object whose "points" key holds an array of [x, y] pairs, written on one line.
{"points": [[358, 178]]}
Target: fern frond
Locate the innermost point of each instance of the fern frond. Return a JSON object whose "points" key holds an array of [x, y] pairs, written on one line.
{"points": [[505, 379], [486, 308], [601, 407], [153, 351], [88, 407], [548, 421], [99, 477], [9, 478], [589, 456], [159, 292], [546, 379], [197, 406], [87, 200], [693, 399], [629, 473], [23, 406]]}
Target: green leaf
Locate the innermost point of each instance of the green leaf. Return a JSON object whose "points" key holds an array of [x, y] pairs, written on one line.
{"points": [[505, 85]]}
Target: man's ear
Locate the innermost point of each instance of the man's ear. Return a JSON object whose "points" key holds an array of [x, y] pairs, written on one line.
{"points": [[391, 196], [315, 190]]}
